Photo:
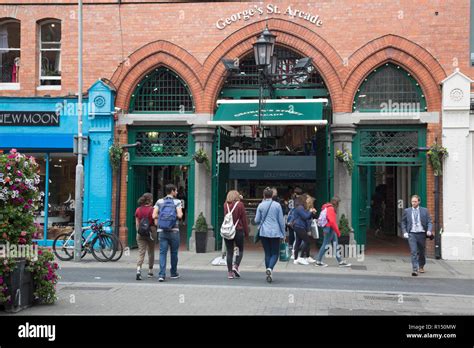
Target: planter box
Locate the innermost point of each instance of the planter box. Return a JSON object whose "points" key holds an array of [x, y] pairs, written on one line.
{"points": [[20, 288], [201, 241]]}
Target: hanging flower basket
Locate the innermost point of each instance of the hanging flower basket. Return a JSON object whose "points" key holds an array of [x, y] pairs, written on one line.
{"points": [[201, 157], [345, 157], [436, 153], [115, 154]]}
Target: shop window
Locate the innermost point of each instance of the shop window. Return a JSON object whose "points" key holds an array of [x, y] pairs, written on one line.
{"points": [[162, 91], [389, 88], [162, 144], [50, 53], [60, 193], [9, 51]]}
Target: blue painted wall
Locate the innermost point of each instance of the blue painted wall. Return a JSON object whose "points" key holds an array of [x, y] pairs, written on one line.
{"points": [[98, 125]]}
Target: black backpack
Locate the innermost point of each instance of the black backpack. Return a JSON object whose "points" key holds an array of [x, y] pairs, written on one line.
{"points": [[144, 228]]}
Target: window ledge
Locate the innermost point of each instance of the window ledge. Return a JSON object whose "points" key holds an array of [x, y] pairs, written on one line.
{"points": [[48, 88], [9, 86]]}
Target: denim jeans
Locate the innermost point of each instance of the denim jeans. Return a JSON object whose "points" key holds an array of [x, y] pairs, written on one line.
{"points": [[169, 239], [417, 243], [271, 246], [330, 236]]}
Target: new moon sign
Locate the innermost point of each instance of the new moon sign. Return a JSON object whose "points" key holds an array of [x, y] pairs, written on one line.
{"points": [[29, 118]]}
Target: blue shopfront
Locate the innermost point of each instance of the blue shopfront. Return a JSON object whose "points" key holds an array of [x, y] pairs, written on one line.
{"points": [[45, 128]]}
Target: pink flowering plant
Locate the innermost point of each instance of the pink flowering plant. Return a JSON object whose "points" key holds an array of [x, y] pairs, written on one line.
{"points": [[19, 198], [44, 276]]}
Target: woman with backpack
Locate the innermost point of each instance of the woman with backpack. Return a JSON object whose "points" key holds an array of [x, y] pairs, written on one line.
{"points": [[302, 216], [145, 232], [328, 221], [236, 208]]}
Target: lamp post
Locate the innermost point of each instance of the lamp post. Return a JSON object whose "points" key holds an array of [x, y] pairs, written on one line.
{"points": [[266, 62]]}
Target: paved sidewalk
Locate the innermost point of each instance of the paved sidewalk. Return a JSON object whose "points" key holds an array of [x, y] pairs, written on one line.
{"points": [[386, 265]]}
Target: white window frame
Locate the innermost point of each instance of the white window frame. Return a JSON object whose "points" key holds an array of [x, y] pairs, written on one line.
{"points": [[41, 50], [11, 86]]}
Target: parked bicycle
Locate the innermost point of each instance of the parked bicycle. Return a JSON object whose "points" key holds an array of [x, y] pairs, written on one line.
{"points": [[102, 245]]}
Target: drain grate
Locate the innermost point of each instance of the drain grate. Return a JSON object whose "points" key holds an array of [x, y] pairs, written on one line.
{"points": [[87, 288], [392, 298], [388, 260], [360, 268]]}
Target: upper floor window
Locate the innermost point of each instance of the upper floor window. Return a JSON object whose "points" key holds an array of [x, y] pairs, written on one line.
{"points": [[162, 90], [389, 88], [9, 51], [50, 53]]}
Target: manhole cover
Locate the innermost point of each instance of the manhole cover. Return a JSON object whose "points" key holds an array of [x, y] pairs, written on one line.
{"points": [[392, 298], [89, 288], [360, 268]]}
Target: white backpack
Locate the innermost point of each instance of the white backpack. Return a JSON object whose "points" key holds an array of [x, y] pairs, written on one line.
{"points": [[323, 218], [228, 227]]}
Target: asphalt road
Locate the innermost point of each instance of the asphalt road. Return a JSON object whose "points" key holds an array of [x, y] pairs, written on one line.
{"points": [[281, 280]]}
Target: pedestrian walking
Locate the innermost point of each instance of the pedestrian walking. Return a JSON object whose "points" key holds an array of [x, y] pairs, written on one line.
{"points": [[271, 229], [236, 208], [328, 220], [290, 221], [166, 213], [303, 215], [146, 233], [416, 226]]}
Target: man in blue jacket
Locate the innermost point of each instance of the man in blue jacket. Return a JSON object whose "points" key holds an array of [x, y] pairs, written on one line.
{"points": [[416, 226]]}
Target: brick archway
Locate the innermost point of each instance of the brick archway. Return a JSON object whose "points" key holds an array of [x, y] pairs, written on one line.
{"points": [[151, 56], [294, 36], [395, 49]]}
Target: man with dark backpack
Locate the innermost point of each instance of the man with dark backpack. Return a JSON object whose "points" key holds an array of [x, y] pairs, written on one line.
{"points": [[166, 214]]}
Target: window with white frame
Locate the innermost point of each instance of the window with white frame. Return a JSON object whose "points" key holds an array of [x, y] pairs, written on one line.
{"points": [[50, 53], [9, 51]]}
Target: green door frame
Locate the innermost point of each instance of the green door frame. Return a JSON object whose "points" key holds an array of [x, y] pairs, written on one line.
{"points": [[419, 161], [159, 161]]}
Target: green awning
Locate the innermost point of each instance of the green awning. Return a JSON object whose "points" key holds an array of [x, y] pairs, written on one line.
{"points": [[274, 112]]}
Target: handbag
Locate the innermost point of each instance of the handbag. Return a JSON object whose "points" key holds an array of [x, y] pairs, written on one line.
{"points": [[256, 238], [314, 229], [284, 252]]}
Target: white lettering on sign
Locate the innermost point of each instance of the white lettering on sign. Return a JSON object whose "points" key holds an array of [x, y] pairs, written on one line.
{"points": [[268, 9]]}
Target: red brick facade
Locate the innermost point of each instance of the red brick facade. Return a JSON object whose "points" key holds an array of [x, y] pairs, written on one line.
{"points": [[123, 42]]}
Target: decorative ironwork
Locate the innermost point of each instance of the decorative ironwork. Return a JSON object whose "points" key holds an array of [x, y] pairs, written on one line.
{"points": [[162, 144], [388, 144], [162, 91], [389, 88], [286, 60]]}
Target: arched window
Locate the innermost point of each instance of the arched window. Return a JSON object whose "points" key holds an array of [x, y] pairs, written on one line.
{"points": [[162, 90], [9, 51], [286, 59], [389, 88], [50, 52]]}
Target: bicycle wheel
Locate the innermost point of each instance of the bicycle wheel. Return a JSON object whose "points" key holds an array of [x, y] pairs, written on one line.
{"points": [[63, 246], [103, 247], [118, 248]]}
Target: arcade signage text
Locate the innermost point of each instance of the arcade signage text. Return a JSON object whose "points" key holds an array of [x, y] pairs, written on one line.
{"points": [[269, 9], [29, 118]]}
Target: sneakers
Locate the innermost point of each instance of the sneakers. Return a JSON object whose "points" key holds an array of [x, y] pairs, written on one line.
{"points": [[176, 276], [302, 261], [292, 255], [421, 270], [268, 272], [414, 273], [161, 279], [235, 269], [310, 260], [321, 264], [150, 274], [139, 276], [295, 262], [230, 275], [344, 264]]}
